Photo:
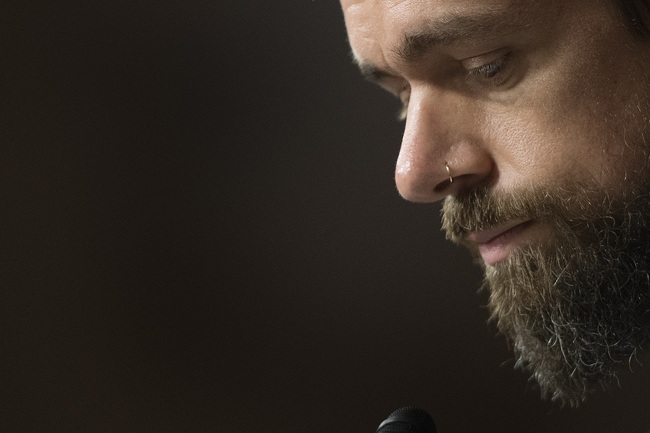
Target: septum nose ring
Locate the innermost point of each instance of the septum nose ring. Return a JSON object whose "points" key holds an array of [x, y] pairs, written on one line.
{"points": [[451, 179]]}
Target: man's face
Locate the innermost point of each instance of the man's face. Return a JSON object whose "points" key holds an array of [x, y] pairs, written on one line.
{"points": [[530, 119]]}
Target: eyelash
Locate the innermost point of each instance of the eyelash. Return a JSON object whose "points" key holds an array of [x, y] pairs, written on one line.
{"points": [[490, 71]]}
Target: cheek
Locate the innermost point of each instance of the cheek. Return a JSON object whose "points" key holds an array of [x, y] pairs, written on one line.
{"points": [[571, 142], [564, 129], [600, 130], [532, 146]]}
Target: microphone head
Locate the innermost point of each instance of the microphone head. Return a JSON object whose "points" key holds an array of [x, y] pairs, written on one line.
{"points": [[408, 420]]}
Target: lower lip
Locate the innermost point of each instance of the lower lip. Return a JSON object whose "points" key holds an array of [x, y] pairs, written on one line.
{"points": [[500, 247]]}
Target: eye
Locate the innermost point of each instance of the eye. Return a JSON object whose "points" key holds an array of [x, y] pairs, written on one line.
{"points": [[404, 96], [495, 72]]}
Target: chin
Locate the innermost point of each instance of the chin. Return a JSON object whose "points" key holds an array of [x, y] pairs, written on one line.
{"points": [[572, 322]]}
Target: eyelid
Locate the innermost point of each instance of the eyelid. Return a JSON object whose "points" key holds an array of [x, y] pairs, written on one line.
{"points": [[404, 96], [483, 59]]}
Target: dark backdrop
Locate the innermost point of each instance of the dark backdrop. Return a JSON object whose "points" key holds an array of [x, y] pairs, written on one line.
{"points": [[200, 232]]}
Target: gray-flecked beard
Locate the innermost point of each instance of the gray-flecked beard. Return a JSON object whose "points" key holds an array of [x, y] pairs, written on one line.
{"points": [[575, 307]]}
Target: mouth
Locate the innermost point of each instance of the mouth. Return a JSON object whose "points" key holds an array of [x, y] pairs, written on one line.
{"points": [[496, 244]]}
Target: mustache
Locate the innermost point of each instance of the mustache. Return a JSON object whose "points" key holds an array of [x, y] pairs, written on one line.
{"points": [[482, 208]]}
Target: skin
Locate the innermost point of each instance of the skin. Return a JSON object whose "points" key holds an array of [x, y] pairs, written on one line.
{"points": [[533, 93], [530, 119]]}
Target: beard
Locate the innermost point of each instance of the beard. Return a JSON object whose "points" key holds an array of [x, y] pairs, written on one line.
{"points": [[574, 306]]}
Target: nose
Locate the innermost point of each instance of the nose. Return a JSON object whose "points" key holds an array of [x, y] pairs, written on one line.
{"points": [[442, 149]]}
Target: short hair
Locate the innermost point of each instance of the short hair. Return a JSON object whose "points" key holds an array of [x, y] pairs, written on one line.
{"points": [[636, 14]]}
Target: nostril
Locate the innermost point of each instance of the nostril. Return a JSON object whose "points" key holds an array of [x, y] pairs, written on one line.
{"points": [[443, 186], [462, 183]]}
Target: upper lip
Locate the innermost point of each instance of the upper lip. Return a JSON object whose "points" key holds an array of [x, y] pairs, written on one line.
{"points": [[485, 236]]}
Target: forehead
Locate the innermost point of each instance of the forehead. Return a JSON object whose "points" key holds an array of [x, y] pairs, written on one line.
{"points": [[374, 26]]}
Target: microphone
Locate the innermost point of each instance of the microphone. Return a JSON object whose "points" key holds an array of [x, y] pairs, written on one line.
{"points": [[408, 420]]}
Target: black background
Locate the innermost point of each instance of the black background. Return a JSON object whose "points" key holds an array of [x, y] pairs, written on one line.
{"points": [[200, 232]]}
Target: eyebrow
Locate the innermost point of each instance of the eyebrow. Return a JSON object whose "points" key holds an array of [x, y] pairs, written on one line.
{"points": [[447, 31]]}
